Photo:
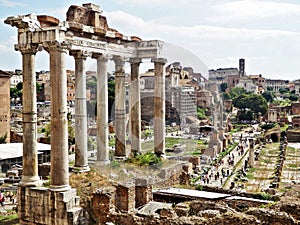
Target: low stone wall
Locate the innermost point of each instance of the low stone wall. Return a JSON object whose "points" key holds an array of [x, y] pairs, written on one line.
{"points": [[293, 135]]}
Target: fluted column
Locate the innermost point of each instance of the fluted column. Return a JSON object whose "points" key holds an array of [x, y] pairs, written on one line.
{"points": [[30, 157], [59, 172], [81, 149], [135, 106], [159, 106], [102, 110], [120, 110]]}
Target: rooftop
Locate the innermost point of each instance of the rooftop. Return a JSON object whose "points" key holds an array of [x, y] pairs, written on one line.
{"points": [[15, 150]]}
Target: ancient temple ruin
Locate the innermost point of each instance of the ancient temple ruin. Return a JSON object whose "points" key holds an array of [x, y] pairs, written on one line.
{"points": [[85, 33]]}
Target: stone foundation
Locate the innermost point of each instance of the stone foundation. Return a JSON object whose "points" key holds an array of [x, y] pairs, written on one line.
{"points": [[125, 198], [42, 206], [143, 192]]}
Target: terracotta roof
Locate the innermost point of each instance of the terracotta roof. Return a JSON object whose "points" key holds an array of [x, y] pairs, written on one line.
{"points": [[4, 74]]}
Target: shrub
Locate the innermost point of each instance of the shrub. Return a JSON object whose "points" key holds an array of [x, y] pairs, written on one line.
{"points": [[145, 159]]}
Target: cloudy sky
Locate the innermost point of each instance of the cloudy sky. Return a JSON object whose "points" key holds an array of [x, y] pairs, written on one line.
{"points": [[266, 33]]}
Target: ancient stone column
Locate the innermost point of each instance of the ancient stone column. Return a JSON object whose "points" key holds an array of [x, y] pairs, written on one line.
{"points": [[251, 152], [59, 178], [102, 110], [135, 106], [159, 106], [81, 149], [30, 157], [120, 110]]}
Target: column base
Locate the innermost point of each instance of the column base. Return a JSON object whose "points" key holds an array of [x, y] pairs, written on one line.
{"points": [[29, 181], [60, 188], [161, 155], [102, 163], [120, 158], [81, 169]]}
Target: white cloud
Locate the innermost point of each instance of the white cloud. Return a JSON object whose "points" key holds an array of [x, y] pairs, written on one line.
{"points": [[130, 24], [8, 3], [252, 9], [5, 48]]}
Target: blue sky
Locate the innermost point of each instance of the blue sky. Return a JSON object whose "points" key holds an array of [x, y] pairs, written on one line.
{"points": [[218, 32]]}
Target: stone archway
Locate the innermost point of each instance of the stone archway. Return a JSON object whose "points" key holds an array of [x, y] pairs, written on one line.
{"points": [[274, 137]]}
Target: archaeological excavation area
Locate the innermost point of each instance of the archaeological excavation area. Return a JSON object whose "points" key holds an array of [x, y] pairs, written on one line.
{"points": [[223, 179]]}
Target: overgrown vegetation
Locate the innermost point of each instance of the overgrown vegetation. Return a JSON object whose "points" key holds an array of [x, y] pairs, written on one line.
{"points": [[268, 126], [201, 113], [265, 196], [10, 219], [145, 159]]}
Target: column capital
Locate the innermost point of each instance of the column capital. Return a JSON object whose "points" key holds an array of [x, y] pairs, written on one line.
{"points": [[55, 46], [119, 60], [80, 54], [135, 60], [101, 57], [28, 48], [162, 61], [119, 65]]}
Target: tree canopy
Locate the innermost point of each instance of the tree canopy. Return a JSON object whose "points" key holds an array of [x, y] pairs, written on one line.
{"points": [[269, 96], [255, 103]]}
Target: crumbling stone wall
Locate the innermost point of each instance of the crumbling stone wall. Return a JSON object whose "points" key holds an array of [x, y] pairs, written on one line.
{"points": [[125, 198], [143, 192], [103, 204]]}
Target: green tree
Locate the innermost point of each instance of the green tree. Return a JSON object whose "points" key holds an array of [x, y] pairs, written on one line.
{"points": [[111, 96], [255, 103], [241, 101], [284, 90], [237, 91], [71, 133], [200, 113], [15, 93], [293, 98], [269, 96], [226, 96], [19, 86], [258, 104], [223, 87]]}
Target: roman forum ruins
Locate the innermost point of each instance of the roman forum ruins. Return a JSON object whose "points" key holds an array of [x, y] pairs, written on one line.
{"points": [[84, 34]]}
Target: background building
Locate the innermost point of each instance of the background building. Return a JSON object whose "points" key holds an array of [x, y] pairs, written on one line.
{"points": [[5, 105]]}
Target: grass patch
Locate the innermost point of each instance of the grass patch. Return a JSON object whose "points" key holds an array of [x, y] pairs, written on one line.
{"points": [[250, 176], [11, 219], [267, 161], [294, 166], [252, 170], [265, 196], [145, 159]]}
